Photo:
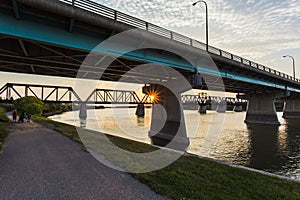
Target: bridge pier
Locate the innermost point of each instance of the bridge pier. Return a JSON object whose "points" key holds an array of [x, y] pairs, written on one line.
{"points": [[238, 107], [83, 112], [202, 107], [261, 109], [222, 106], [291, 109], [140, 110], [167, 124]]}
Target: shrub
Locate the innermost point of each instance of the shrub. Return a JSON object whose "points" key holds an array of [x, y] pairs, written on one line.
{"points": [[3, 117], [30, 104], [34, 109], [7, 107]]}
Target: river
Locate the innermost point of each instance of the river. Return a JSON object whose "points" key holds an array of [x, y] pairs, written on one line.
{"points": [[220, 136]]}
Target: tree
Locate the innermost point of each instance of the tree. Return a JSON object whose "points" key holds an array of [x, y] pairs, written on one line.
{"points": [[30, 105]]}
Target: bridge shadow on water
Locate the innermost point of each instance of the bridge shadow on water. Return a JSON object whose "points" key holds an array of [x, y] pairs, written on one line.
{"points": [[275, 149]]}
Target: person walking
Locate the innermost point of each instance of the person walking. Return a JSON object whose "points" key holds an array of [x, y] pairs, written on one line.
{"points": [[22, 116], [15, 115], [28, 117]]}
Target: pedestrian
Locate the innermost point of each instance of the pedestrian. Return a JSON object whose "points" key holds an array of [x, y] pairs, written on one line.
{"points": [[21, 118], [15, 114], [28, 117]]}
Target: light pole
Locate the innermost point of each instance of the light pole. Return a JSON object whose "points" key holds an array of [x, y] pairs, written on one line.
{"points": [[294, 73], [206, 21]]}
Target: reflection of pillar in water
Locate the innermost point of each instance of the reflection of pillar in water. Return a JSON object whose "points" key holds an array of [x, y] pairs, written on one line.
{"points": [[264, 147], [83, 112], [82, 123], [140, 121]]}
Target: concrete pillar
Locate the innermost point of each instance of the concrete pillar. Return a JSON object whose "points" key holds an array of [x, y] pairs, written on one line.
{"points": [[291, 109], [222, 106], [261, 109], [83, 112], [140, 110], [167, 124], [202, 107], [238, 107]]}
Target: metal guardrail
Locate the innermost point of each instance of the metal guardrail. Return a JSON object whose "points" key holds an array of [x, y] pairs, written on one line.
{"points": [[138, 23]]}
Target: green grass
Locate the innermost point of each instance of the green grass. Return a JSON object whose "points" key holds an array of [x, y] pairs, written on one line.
{"points": [[3, 126], [3, 117], [191, 177], [195, 178], [3, 133]]}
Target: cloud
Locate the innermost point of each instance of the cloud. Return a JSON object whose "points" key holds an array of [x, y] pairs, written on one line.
{"points": [[255, 29]]}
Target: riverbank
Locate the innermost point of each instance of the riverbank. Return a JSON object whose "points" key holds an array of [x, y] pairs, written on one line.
{"points": [[3, 133], [40, 163], [3, 126], [191, 177]]}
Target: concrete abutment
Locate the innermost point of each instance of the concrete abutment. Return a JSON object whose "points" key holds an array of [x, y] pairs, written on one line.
{"points": [[261, 109], [167, 124], [291, 109]]}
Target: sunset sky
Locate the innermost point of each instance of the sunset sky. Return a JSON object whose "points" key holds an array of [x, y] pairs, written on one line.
{"points": [[259, 30]]}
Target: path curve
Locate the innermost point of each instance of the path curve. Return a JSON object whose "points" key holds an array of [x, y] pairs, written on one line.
{"points": [[39, 163]]}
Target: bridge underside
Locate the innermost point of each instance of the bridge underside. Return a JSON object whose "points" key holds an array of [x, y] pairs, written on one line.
{"points": [[47, 43], [20, 55]]}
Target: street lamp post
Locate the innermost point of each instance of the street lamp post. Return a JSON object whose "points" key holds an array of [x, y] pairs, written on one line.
{"points": [[294, 73], [206, 20]]}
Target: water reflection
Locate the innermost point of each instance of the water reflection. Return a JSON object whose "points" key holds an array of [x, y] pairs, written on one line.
{"points": [[264, 146], [82, 123], [140, 121], [270, 148], [291, 149]]}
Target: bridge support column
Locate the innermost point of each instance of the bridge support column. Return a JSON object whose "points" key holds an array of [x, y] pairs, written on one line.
{"points": [[140, 110], [238, 107], [167, 125], [261, 109], [202, 107], [83, 112], [291, 109], [222, 106]]}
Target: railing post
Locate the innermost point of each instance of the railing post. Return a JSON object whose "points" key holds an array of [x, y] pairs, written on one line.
{"points": [[115, 15], [171, 34], [191, 41], [73, 3], [231, 56], [220, 52], [147, 26]]}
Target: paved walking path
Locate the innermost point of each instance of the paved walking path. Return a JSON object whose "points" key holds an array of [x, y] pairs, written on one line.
{"points": [[39, 163]]}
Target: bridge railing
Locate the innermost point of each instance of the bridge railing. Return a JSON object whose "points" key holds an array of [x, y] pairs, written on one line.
{"points": [[138, 23]]}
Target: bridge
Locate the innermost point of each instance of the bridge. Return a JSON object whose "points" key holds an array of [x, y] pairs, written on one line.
{"points": [[220, 104], [67, 95], [54, 37]]}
